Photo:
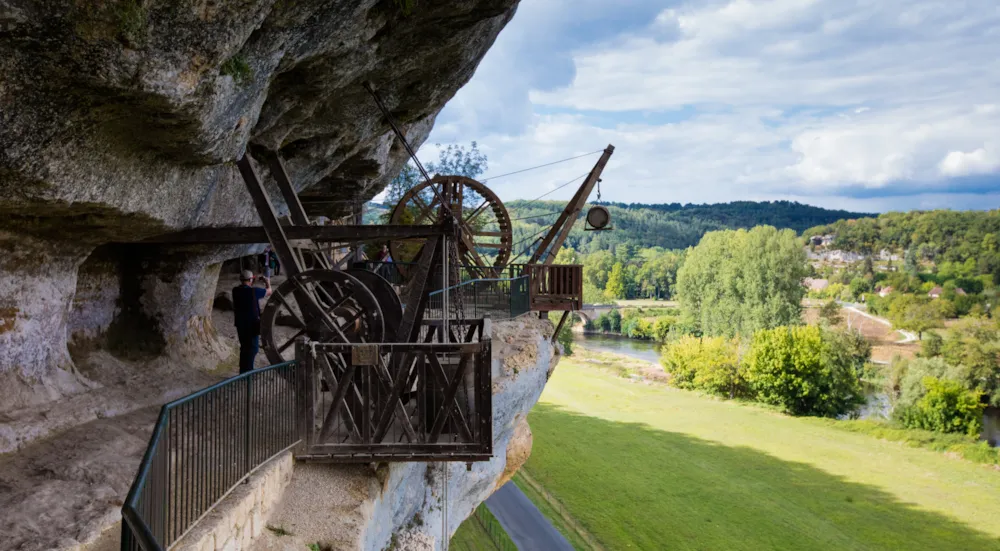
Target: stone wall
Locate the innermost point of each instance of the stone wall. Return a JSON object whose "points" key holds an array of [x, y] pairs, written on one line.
{"points": [[243, 515]]}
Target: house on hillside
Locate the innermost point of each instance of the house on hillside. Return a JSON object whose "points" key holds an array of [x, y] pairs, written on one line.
{"points": [[960, 291], [822, 240], [816, 284], [936, 292], [885, 291]]}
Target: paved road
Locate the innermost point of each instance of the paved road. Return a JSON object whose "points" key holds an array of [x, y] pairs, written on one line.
{"points": [[524, 523]]}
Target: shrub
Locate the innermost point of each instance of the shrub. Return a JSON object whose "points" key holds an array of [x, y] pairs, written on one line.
{"points": [[711, 364], [804, 370], [238, 68], [615, 321], [661, 329], [907, 377], [946, 406]]}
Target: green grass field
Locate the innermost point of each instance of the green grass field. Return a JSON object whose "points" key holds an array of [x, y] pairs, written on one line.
{"points": [[649, 467]]}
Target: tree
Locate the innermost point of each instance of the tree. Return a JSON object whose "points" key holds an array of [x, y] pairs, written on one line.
{"points": [[910, 261], [616, 282], [712, 364], [456, 160], [453, 159], [615, 321], [830, 312], [737, 282], [805, 370], [597, 268], [914, 314], [567, 255]]}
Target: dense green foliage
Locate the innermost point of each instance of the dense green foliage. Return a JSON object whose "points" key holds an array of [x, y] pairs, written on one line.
{"points": [[737, 282], [969, 354], [957, 241], [711, 364], [637, 323], [946, 406], [670, 226], [694, 473], [628, 272], [804, 370]]}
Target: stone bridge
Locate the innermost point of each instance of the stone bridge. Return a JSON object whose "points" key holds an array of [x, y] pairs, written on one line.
{"points": [[590, 312]]}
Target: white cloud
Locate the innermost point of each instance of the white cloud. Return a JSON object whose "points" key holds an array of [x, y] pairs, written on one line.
{"points": [[748, 100], [980, 161]]}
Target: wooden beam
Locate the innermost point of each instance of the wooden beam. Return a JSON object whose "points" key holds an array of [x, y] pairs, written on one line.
{"points": [[295, 210], [332, 234], [556, 236], [265, 210]]}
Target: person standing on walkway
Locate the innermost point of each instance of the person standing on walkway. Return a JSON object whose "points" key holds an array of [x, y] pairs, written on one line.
{"points": [[246, 316]]}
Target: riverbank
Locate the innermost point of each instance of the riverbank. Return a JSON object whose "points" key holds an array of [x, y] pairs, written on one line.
{"points": [[651, 467]]}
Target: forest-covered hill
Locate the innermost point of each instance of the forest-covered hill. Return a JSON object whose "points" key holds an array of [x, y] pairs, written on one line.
{"points": [[671, 226], [971, 238]]}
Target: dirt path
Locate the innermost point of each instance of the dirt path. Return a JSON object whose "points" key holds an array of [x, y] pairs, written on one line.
{"points": [[908, 336]]}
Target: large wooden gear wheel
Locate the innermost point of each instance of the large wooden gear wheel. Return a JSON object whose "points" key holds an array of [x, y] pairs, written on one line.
{"points": [[487, 236], [323, 305]]}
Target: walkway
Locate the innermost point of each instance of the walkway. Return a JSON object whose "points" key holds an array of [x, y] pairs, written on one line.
{"points": [[524, 523], [908, 336]]}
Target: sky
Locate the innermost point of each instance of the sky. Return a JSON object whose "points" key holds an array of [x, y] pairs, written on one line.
{"points": [[867, 105]]}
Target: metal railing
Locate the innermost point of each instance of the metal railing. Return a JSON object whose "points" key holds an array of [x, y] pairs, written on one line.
{"points": [[497, 299], [498, 536], [205, 444], [397, 273]]}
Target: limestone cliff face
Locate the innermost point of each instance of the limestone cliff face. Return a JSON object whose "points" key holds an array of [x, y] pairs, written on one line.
{"points": [[350, 507], [120, 119]]}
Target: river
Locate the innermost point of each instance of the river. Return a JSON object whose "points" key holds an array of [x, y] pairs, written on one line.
{"points": [[633, 348]]}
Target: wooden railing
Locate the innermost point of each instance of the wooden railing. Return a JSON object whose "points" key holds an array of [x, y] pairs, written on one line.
{"points": [[426, 401], [555, 286]]}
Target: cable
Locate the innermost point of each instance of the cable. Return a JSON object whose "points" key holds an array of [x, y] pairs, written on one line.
{"points": [[535, 216], [540, 232], [562, 186], [484, 180]]}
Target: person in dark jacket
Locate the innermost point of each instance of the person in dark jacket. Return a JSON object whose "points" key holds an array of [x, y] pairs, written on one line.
{"points": [[246, 316]]}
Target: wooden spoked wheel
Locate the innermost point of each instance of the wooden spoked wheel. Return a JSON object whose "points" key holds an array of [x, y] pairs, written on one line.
{"points": [[487, 236], [388, 300], [324, 305]]}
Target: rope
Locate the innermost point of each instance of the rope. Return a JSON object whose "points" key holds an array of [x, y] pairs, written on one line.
{"points": [[484, 180]]}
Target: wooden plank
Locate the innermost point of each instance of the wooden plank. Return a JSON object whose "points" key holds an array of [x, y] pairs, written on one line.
{"points": [[332, 234]]}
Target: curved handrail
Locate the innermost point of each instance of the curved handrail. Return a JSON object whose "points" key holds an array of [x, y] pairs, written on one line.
{"points": [[169, 495]]}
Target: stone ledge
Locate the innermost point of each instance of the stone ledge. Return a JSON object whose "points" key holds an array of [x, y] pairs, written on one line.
{"points": [[243, 514]]}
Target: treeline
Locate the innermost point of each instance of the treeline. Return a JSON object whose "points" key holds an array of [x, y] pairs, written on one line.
{"points": [[966, 240], [668, 226]]}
